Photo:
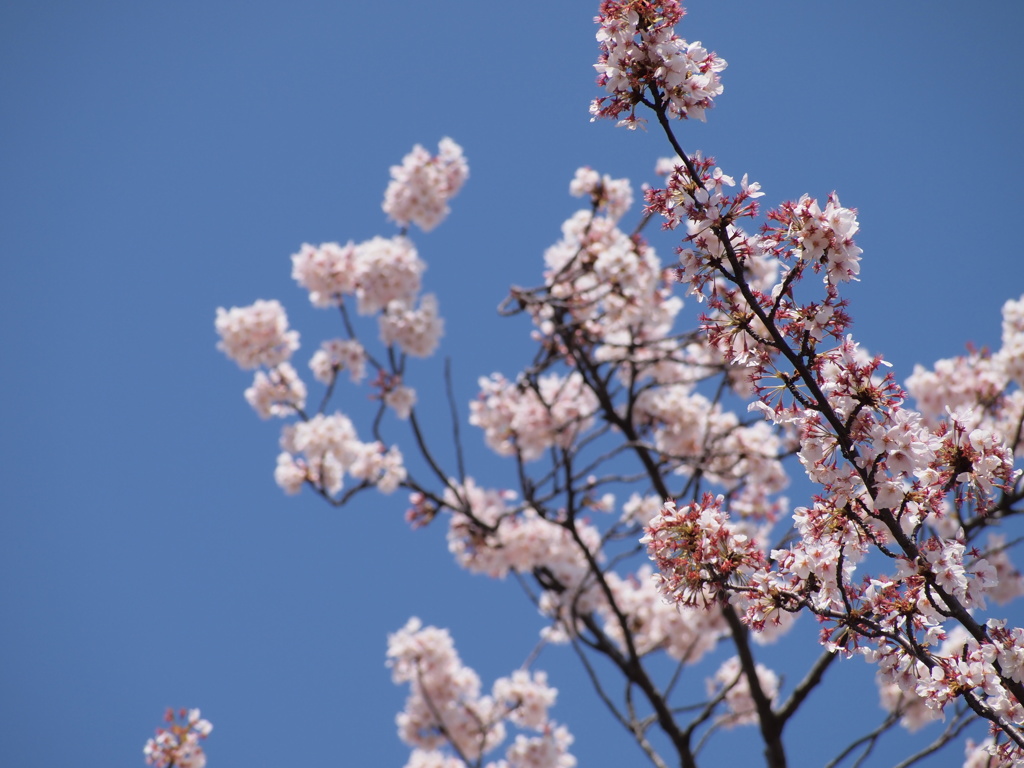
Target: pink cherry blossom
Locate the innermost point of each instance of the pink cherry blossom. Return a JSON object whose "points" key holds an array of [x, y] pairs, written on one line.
{"points": [[731, 682], [400, 399], [699, 551], [386, 270], [1011, 357], [614, 196], [526, 697], [321, 450], [684, 632], [697, 425], [549, 750], [177, 745], [422, 185], [446, 707], [640, 51], [416, 331], [422, 758], [337, 355], [529, 418], [279, 392], [256, 335], [327, 272]]}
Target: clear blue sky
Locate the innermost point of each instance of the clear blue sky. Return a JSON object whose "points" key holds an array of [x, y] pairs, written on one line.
{"points": [[161, 159]]}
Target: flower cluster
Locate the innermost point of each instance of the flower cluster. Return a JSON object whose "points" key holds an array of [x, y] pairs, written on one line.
{"points": [[256, 335], [278, 392], [417, 332], [893, 555], [699, 194], [691, 430], [826, 237], [423, 184], [337, 355], [913, 488], [446, 708], [322, 449], [990, 753], [698, 551], [328, 272], [487, 534], [642, 58], [527, 418], [177, 745], [1011, 356], [685, 632], [614, 196], [383, 276], [983, 388], [317, 450], [731, 683], [602, 287], [377, 271]]}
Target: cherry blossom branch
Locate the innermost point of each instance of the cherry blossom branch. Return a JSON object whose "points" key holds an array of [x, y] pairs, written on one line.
{"points": [[613, 382], [803, 689], [636, 675], [630, 724], [460, 462], [870, 739], [767, 720], [840, 429], [955, 727]]}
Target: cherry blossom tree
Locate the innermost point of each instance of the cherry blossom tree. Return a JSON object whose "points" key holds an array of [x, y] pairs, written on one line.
{"points": [[648, 450]]}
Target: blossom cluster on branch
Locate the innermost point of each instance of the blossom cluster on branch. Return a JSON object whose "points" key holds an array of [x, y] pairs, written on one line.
{"points": [[890, 483], [177, 745], [446, 708], [635, 438], [640, 51]]}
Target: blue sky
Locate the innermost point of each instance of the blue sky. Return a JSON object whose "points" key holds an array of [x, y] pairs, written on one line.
{"points": [[162, 159]]}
